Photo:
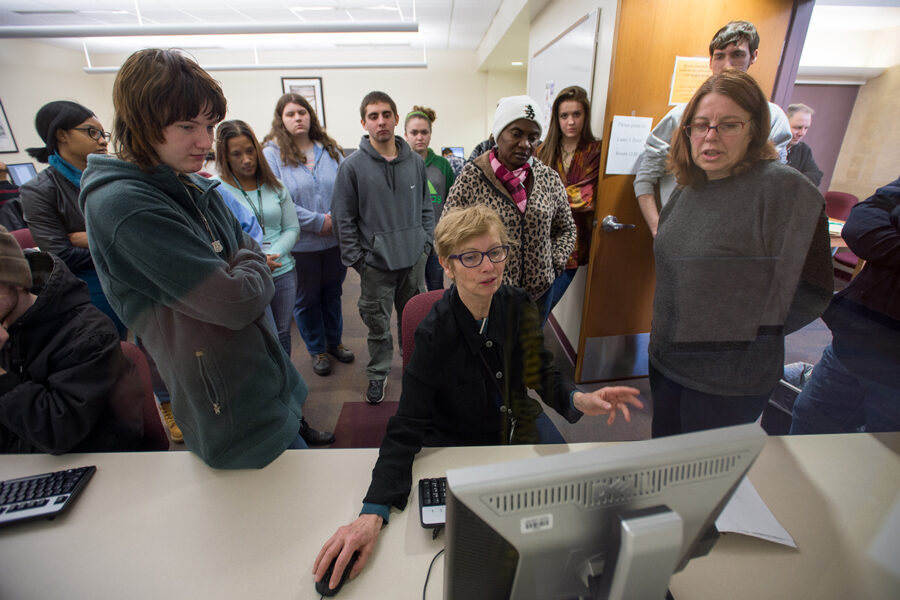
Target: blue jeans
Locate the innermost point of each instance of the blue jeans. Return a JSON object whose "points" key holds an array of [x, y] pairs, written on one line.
{"points": [[836, 400], [159, 386], [298, 444], [98, 299], [317, 310], [553, 295], [547, 431], [282, 306], [434, 273]]}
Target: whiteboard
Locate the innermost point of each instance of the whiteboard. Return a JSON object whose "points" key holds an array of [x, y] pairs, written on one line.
{"points": [[567, 60]]}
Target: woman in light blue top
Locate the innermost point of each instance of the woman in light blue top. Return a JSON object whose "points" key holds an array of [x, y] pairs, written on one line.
{"points": [[250, 180], [306, 160]]}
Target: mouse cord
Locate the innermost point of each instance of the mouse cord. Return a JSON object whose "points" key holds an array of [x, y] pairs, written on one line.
{"points": [[427, 575]]}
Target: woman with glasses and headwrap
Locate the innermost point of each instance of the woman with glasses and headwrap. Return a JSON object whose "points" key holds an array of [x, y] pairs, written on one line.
{"points": [[70, 133]]}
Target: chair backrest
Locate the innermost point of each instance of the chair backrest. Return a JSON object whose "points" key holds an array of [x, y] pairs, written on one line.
{"points": [[413, 313], [154, 434], [838, 204], [23, 236]]}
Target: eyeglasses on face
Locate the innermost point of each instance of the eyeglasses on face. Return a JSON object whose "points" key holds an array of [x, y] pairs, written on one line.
{"points": [[474, 258], [94, 133], [726, 129]]}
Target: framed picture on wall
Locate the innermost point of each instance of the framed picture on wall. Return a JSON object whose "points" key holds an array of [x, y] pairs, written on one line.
{"points": [[7, 141], [311, 89]]}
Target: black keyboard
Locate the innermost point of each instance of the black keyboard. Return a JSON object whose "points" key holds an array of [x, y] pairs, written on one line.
{"points": [[44, 495], [432, 502]]}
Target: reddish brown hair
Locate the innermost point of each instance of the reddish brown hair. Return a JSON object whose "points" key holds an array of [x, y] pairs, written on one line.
{"points": [[746, 93]]}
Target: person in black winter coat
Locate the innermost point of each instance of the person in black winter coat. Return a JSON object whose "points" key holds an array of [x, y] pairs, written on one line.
{"points": [[856, 384], [65, 385]]}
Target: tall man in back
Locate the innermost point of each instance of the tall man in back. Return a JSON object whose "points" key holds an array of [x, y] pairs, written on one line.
{"points": [[735, 46], [384, 222]]}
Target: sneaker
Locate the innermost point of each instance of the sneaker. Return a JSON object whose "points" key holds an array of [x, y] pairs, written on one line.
{"points": [[342, 353], [165, 410], [314, 437], [321, 364], [375, 393]]}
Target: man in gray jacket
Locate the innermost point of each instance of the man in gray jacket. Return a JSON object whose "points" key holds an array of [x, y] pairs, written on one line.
{"points": [[384, 222]]}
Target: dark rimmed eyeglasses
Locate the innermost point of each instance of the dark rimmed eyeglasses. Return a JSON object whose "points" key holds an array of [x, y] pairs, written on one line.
{"points": [[94, 133], [474, 258], [726, 129]]}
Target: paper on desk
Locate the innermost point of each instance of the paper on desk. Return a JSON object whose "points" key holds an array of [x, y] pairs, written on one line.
{"points": [[747, 514]]}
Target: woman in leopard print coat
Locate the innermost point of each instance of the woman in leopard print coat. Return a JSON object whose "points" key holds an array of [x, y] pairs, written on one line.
{"points": [[528, 195]]}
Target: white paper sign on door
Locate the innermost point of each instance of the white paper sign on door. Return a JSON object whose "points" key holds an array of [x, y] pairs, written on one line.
{"points": [[626, 142]]}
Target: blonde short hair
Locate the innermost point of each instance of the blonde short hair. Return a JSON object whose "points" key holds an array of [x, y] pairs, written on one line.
{"points": [[460, 224]]}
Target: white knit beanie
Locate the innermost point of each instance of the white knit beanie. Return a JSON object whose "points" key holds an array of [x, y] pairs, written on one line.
{"points": [[513, 108]]}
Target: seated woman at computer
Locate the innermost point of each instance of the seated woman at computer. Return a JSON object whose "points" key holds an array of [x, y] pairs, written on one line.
{"points": [[70, 133], [475, 354], [742, 259]]}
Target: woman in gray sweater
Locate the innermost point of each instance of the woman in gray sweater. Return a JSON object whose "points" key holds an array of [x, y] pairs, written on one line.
{"points": [[742, 259]]}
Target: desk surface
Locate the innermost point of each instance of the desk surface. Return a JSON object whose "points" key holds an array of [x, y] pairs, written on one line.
{"points": [[164, 525]]}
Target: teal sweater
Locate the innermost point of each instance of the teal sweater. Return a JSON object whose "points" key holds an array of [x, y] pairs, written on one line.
{"points": [[235, 393], [277, 219]]}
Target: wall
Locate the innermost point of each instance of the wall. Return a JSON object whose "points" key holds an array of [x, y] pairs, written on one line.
{"points": [[34, 74], [463, 98], [868, 157], [834, 106]]}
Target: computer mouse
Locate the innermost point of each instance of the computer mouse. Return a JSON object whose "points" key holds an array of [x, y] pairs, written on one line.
{"points": [[322, 584]]}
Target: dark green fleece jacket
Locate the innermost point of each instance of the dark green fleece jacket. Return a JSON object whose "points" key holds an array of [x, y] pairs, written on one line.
{"points": [[235, 393]]}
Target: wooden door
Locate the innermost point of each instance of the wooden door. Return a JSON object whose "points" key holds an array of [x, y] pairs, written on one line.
{"points": [[620, 282]]}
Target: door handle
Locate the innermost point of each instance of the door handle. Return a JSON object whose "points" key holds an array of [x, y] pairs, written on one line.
{"points": [[610, 224]]}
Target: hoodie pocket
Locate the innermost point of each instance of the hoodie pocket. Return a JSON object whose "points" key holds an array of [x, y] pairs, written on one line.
{"points": [[399, 249]]}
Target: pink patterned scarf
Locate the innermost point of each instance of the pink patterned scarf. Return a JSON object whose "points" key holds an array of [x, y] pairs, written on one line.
{"points": [[513, 181]]}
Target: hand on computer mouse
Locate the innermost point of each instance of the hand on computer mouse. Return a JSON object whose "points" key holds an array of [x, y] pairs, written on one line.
{"points": [[324, 587], [357, 537]]}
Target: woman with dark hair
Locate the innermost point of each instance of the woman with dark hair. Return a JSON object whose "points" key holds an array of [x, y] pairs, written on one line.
{"points": [[70, 133], [182, 273], [417, 130], [742, 259], [247, 176], [527, 194], [571, 148], [306, 161]]}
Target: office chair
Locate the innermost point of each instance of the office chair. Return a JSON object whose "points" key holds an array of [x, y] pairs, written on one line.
{"points": [[154, 435], [838, 206], [23, 236], [413, 313]]}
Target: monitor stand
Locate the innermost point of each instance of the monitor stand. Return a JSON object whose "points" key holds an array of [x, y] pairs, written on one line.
{"points": [[642, 559]]}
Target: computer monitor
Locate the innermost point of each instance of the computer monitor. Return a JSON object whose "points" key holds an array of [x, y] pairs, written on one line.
{"points": [[611, 522], [21, 172], [456, 150]]}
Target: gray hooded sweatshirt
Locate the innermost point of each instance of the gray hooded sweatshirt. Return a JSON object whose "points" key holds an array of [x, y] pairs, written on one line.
{"points": [[382, 209]]}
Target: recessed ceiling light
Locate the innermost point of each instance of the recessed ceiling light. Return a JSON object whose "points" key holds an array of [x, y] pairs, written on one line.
{"points": [[517, 63]]}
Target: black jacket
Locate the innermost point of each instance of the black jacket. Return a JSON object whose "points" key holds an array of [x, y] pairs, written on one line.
{"points": [[50, 202], [800, 157], [865, 315], [464, 389], [68, 386]]}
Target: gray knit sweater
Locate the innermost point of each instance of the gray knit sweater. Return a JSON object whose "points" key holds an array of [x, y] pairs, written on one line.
{"points": [[740, 263]]}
